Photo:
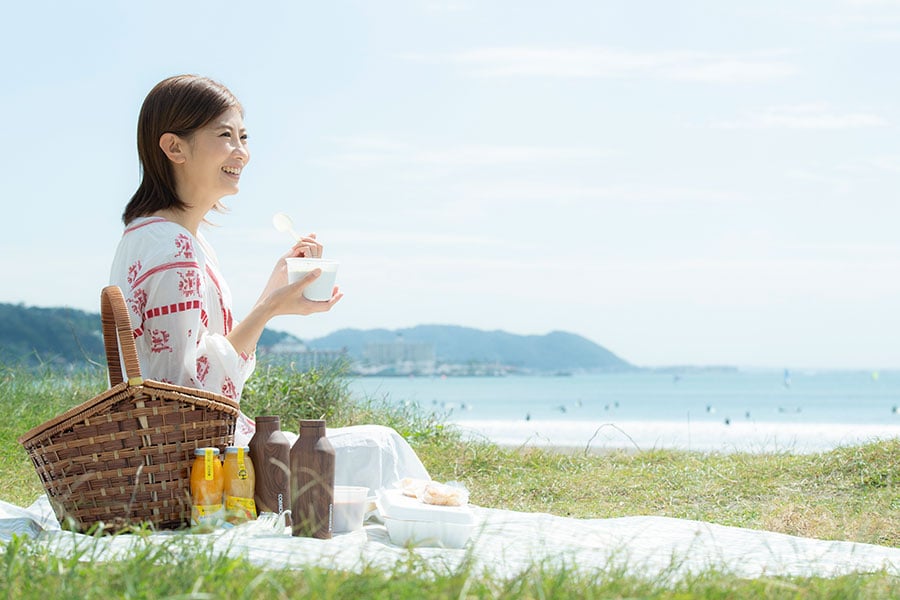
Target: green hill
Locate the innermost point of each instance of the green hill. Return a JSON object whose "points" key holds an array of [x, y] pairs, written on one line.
{"points": [[454, 344], [65, 336], [32, 335]]}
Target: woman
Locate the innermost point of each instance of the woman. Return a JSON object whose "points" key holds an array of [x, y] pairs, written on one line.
{"points": [[192, 146]]}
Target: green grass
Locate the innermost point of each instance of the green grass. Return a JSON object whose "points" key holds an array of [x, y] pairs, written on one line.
{"points": [[153, 571], [848, 494]]}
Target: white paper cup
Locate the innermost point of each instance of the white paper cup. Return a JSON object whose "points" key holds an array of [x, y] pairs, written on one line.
{"points": [[349, 507], [320, 289]]}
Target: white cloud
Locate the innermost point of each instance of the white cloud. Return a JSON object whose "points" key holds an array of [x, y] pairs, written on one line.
{"points": [[447, 6], [367, 151], [874, 3], [873, 20], [888, 162], [601, 62], [805, 116], [392, 238], [630, 193]]}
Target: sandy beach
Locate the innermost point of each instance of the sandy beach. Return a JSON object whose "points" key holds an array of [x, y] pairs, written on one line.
{"points": [[702, 436]]}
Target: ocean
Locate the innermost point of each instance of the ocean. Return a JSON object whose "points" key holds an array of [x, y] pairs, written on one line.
{"points": [[704, 410]]}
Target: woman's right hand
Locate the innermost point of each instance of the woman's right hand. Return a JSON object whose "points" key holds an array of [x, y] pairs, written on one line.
{"points": [[289, 299], [284, 299], [305, 247]]}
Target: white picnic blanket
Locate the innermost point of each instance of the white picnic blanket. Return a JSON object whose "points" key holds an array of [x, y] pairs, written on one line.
{"points": [[505, 544]]}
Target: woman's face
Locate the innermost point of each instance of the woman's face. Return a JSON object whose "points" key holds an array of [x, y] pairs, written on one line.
{"points": [[216, 155]]}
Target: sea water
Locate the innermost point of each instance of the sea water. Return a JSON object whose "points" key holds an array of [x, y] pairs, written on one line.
{"points": [[700, 410]]}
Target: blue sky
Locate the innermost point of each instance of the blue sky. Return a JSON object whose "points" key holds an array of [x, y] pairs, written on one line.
{"points": [[683, 183]]}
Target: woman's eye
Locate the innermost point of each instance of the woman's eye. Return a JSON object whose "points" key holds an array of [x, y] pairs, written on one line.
{"points": [[245, 137], [226, 134]]}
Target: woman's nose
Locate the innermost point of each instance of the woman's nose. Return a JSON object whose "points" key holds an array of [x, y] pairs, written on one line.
{"points": [[243, 152]]}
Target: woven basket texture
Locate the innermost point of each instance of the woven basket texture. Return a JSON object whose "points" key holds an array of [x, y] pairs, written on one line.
{"points": [[123, 457]]}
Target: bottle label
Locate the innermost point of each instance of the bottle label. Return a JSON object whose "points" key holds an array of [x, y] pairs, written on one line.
{"points": [[208, 458], [330, 518], [206, 514], [241, 464], [244, 508]]}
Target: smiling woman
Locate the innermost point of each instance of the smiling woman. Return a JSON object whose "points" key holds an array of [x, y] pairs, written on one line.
{"points": [[192, 146]]}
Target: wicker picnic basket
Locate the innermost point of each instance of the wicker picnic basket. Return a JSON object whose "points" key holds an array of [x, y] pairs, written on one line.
{"points": [[124, 457]]}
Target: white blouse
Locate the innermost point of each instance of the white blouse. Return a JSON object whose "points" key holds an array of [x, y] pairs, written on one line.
{"points": [[180, 308]]}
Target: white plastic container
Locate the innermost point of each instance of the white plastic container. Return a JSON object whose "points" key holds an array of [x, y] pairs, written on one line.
{"points": [[349, 507], [410, 521], [321, 288]]}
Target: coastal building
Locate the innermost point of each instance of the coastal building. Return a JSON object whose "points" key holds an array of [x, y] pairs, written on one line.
{"points": [[300, 356], [400, 357]]}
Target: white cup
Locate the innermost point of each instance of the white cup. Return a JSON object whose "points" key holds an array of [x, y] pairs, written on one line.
{"points": [[349, 507], [320, 289]]}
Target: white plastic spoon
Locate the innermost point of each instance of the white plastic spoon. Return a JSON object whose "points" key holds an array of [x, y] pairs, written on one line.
{"points": [[283, 223]]}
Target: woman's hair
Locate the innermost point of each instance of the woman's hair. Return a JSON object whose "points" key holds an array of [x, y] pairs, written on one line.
{"points": [[180, 105]]}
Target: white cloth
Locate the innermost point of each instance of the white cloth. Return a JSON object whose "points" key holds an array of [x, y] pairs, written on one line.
{"points": [[371, 456], [505, 543]]}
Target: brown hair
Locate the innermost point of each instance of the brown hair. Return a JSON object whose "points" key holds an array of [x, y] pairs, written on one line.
{"points": [[181, 105]]}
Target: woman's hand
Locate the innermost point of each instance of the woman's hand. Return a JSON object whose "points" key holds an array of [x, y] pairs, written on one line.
{"points": [[305, 247], [283, 298], [289, 299], [286, 299]]}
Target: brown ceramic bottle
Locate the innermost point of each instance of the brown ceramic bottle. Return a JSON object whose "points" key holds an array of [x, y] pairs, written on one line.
{"points": [[312, 482], [270, 451]]}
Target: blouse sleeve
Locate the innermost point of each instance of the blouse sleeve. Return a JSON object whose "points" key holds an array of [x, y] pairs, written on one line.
{"points": [[169, 303]]}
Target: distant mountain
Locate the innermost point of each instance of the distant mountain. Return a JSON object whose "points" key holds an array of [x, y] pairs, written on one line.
{"points": [[34, 335], [66, 336], [454, 344]]}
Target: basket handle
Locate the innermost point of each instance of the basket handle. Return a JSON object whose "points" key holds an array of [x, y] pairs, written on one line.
{"points": [[118, 338]]}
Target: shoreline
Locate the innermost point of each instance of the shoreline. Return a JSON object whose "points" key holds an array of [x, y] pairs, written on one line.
{"points": [[701, 436]]}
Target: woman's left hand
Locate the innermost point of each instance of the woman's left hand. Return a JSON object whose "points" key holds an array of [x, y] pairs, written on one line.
{"points": [[306, 247]]}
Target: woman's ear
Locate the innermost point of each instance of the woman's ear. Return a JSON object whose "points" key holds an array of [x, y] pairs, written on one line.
{"points": [[173, 146]]}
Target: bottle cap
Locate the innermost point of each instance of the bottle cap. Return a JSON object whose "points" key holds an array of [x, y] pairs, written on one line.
{"points": [[234, 449], [202, 451], [268, 419]]}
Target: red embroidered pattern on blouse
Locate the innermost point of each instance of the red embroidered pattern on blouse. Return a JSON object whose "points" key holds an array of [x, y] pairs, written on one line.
{"points": [[228, 389], [247, 426], [144, 224], [202, 368], [171, 309], [187, 264], [159, 341], [183, 246], [189, 283], [133, 272], [227, 318], [138, 301]]}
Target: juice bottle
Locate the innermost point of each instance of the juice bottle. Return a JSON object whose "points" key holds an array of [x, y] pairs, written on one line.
{"points": [[207, 487], [240, 480]]}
